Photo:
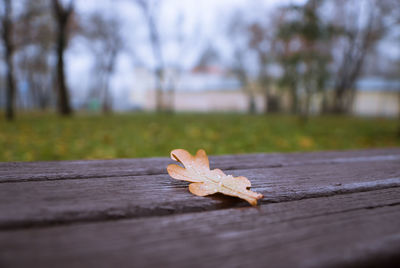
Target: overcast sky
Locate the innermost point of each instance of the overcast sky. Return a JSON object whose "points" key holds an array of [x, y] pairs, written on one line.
{"points": [[202, 21]]}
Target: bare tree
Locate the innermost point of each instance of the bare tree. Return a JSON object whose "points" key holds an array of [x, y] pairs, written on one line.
{"points": [[361, 33], [263, 43], [7, 34], [174, 65], [105, 43], [150, 13], [62, 16], [306, 65], [34, 37], [238, 35], [183, 44]]}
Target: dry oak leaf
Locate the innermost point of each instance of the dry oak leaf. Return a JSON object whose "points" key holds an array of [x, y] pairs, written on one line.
{"points": [[206, 181]]}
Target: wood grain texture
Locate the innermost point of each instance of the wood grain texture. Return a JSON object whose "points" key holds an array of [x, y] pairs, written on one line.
{"points": [[323, 209], [41, 203], [359, 229], [64, 170]]}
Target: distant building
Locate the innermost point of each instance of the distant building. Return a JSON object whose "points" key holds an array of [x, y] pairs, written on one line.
{"points": [[205, 89], [377, 97], [213, 89]]}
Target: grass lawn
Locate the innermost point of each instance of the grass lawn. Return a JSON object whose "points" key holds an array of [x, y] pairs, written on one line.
{"points": [[49, 137]]}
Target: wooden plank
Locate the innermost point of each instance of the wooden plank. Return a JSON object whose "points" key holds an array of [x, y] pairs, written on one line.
{"points": [[40, 171], [62, 201], [360, 229]]}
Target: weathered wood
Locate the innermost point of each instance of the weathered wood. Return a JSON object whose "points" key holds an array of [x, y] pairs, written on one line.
{"points": [[40, 171], [359, 229], [65, 201], [344, 210]]}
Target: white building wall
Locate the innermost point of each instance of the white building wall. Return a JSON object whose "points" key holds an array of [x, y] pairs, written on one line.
{"points": [[208, 101], [366, 103], [377, 103]]}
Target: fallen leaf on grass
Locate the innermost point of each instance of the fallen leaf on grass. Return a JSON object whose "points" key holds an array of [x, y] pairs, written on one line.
{"points": [[205, 181]]}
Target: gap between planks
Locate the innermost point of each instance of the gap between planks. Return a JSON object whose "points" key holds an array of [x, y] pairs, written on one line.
{"points": [[65, 170]]}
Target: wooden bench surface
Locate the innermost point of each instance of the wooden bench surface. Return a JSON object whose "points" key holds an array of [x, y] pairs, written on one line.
{"points": [[323, 209]]}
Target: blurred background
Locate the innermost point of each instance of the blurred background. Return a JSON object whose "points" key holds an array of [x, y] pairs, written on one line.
{"points": [[96, 79]]}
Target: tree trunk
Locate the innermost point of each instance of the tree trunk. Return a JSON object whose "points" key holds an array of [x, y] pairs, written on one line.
{"points": [[251, 99], [338, 100], [9, 51], [63, 97], [324, 104], [351, 68], [106, 106], [157, 53], [170, 91], [343, 99], [266, 104], [307, 105], [271, 104], [294, 99], [10, 97], [107, 97], [159, 91], [252, 103], [62, 16]]}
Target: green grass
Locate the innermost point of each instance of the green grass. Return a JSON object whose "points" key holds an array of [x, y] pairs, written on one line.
{"points": [[48, 137]]}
